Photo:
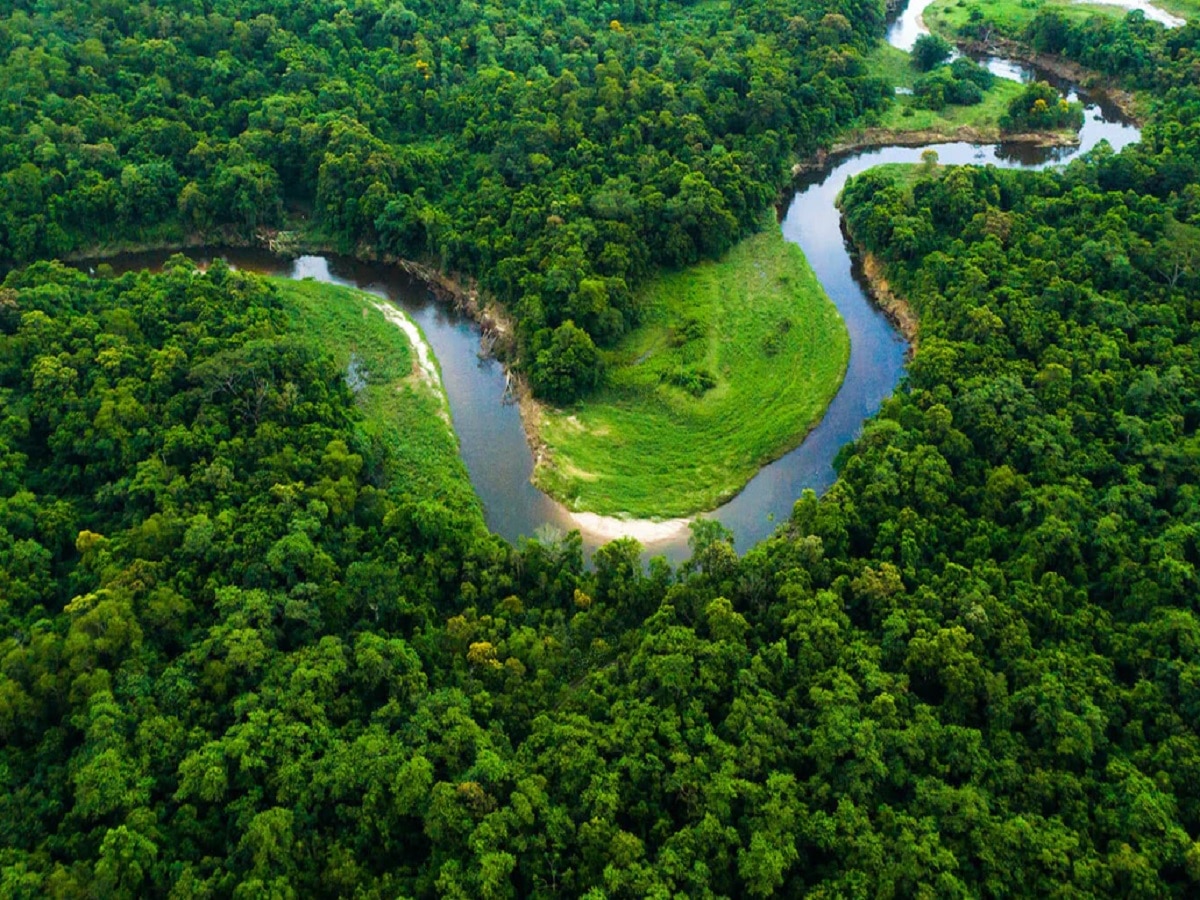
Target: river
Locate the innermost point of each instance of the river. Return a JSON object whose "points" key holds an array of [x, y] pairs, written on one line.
{"points": [[489, 430]]}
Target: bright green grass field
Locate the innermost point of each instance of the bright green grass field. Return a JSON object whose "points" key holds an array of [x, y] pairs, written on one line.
{"points": [[906, 175], [1011, 16], [399, 409], [894, 64], [759, 322]]}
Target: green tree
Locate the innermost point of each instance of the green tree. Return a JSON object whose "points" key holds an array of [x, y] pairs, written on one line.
{"points": [[566, 365], [930, 51]]}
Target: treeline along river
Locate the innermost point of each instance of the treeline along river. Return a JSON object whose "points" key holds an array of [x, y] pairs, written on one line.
{"points": [[489, 429]]}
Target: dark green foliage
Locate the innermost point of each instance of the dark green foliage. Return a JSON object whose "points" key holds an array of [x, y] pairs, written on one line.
{"points": [[566, 363], [1048, 32], [1041, 108], [772, 341], [1133, 47], [1056, 382], [962, 82], [559, 153], [233, 662], [696, 380], [930, 51]]}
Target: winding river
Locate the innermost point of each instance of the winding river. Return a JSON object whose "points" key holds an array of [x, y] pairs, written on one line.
{"points": [[489, 430]]}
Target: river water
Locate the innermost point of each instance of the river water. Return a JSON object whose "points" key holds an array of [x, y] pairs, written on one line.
{"points": [[489, 430]]}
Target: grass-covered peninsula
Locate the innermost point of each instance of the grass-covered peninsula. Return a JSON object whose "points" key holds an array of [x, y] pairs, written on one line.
{"points": [[736, 360], [1012, 17], [907, 114], [403, 409], [913, 118]]}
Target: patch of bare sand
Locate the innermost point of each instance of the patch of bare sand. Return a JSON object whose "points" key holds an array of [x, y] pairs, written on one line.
{"points": [[645, 531], [397, 317]]}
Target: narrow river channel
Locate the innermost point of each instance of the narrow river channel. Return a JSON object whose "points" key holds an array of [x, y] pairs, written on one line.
{"points": [[489, 430]]}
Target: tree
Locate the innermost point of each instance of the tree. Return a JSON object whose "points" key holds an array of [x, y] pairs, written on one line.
{"points": [[930, 51], [1040, 107], [249, 195], [566, 364]]}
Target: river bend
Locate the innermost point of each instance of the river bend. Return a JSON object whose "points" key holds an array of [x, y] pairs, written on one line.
{"points": [[489, 430]]}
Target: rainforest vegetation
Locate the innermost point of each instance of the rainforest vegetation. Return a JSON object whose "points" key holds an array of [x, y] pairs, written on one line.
{"points": [[243, 653], [735, 361], [559, 150]]}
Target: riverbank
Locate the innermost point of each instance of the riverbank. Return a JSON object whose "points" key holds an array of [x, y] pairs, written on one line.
{"points": [[344, 321], [1068, 70], [339, 318], [459, 290], [888, 137], [904, 123], [648, 532], [1013, 17], [872, 138], [515, 508], [897, 309], [945, 19]]}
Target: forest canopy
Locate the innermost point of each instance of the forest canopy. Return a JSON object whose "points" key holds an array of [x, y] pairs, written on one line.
{"points": [[240, 656], [559, 151]]}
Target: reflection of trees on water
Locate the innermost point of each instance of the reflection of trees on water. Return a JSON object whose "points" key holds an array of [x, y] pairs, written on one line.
{"points": [[1026, 154]]}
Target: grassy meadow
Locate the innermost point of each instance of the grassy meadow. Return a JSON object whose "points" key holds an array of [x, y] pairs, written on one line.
{"points": [[735, 361], [903, 115], [399, 407], [906, 175], [1011, 16]]}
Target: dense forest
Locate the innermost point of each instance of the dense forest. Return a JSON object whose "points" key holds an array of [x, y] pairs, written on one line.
{"points": [[240, 657], [559, 150]]}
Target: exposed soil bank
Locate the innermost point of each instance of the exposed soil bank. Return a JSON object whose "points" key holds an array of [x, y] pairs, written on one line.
{"points": [[219, 238], [898, 310], [890, 137], [425, 363], [463, 295], [864, 300], [458, 290], [645, 531]]}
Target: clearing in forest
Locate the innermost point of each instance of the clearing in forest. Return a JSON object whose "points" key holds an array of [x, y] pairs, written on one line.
{"points": [[907, 113], [734, 362]]}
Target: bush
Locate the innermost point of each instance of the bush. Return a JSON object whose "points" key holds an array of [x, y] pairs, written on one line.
{"points": [[1040, 107], [930, 51], [566, 364], [962, 82], [696, 380], [964, 69], [930, 91], [964, 93]]}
